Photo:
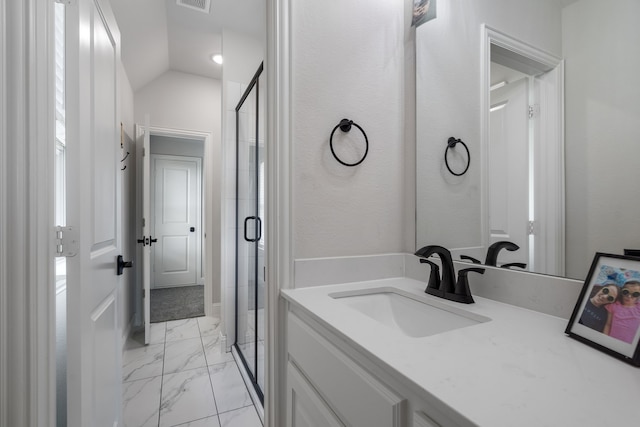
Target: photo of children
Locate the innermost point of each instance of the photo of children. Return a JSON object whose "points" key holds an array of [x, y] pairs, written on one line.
{"points": [[423, 11], [613, 307]]}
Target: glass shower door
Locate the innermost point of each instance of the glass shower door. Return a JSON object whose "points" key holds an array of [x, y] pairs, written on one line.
{"points": [[250, 232]]}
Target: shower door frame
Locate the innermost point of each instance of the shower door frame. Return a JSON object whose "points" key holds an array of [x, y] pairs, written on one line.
{"points": [[253, 376]]}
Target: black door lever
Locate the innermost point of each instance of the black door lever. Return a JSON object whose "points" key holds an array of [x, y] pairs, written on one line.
{"points": [[122, 264]]}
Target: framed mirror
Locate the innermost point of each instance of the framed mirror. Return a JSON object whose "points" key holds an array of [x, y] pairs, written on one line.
{"points": [[552, 147]]}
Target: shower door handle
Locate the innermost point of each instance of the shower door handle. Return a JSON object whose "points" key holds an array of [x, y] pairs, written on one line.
{"points": [[259, 228], [246, 220]]}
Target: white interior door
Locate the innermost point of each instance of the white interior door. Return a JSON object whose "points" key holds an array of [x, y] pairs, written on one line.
{"points": [[93, 210], [175, 220], [548, 152], [509, 170]]}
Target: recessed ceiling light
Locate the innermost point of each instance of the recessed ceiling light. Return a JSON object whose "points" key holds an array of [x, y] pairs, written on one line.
{"points": [[217, 58]]}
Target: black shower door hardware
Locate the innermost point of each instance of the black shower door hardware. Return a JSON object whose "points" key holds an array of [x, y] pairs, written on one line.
{"points": [[259, 228]]}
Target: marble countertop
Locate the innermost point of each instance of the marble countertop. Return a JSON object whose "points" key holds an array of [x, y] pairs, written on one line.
{"points": [[518, 369]]}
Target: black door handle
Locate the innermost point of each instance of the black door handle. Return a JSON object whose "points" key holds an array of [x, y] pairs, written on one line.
{"points": [[192, 229], [246, 220], [259, 229], [122, 264]]}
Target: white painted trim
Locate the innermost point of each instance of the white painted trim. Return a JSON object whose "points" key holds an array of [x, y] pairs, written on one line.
{"points": [[214, 309], [491, 36], [3, 216], [28, 347], [279, 257]]}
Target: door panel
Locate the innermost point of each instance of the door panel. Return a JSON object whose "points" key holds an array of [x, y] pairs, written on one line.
{"points": [[509, 170], [176, 204], [250, 234], [93, 210]]}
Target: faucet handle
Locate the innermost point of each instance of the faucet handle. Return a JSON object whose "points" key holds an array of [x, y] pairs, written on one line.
{"points": [[434, 276], [470, 258], [514, 264], [462, 291]]}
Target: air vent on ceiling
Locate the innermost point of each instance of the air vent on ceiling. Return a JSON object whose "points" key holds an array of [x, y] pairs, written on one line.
{"points": [[199, 5]]}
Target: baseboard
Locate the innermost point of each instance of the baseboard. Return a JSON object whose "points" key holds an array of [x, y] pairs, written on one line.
{"points": [[212, 310], [126, 333], [223, 342]]}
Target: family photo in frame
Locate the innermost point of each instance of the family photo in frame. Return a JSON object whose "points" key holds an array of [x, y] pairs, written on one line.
{"points": [[607, 313]]}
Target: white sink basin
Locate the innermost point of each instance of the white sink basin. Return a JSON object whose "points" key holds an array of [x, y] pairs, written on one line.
{"points": [[412, 315]]}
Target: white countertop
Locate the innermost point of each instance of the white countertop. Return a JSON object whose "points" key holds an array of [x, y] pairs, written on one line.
{"points": [[519, 369]]}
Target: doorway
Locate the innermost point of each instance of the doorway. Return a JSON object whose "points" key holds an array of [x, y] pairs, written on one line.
{"points": [[177, 277], [523, 152], [175, 265]]}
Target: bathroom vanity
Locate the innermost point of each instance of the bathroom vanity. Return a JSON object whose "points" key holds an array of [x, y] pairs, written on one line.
{"points": [[383, 353]]}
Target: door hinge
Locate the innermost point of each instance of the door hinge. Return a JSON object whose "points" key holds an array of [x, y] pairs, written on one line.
{"points": [[144, 152], [534, 111], [531, 228], [144, 223], [66, 242]]}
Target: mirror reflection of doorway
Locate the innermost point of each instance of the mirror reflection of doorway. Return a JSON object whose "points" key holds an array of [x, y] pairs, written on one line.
{"points": [[177, 279], [250, 232], [523, 151]]}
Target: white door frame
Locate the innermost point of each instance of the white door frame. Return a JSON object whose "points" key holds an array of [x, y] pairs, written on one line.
{"points": [[199, 210], [207, 201], [279, 206], [27, 291], [30, 346], [555, 227]]}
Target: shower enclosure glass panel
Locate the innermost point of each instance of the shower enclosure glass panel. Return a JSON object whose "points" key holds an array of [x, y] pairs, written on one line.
{"points": [[250, 243]]}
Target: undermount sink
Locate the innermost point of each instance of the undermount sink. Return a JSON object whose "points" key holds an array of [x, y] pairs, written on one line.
{"points": [[410, 314]]}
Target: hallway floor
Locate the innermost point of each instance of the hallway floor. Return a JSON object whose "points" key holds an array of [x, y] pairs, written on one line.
{"points": [[184, 378]]}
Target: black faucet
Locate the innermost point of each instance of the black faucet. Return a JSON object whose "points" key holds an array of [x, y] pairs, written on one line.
{"points": [[446, 287], [492, 252]]}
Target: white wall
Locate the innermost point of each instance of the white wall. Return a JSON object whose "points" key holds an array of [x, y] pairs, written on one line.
{"points": [[172, 146], [602, 132], [183, 101], [348, 61], [448, 104]]}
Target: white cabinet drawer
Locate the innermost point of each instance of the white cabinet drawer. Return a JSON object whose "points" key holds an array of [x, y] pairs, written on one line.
{"points": [[357, 398]]}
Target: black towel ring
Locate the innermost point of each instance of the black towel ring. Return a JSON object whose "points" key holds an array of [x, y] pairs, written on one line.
{"points": [[451, 143], [345, 126]]}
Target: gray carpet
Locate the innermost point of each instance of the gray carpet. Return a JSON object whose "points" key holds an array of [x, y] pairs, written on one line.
{"points": [[176, 303]]}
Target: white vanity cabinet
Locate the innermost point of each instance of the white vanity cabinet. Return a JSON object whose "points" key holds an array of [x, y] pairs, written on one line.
{"points": [[328, 386]]}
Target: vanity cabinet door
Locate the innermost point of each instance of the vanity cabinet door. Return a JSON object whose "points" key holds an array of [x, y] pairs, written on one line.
{"points": [[421, 420], [304, 407], [348, 389]]}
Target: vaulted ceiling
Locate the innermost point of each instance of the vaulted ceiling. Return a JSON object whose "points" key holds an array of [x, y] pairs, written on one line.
{"points": [[160, 35]]}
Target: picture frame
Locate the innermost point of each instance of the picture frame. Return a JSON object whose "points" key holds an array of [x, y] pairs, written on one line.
{"points": [[607, 313], [423, 11]]}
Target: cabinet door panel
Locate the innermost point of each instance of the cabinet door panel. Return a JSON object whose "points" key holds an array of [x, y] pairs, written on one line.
{"points": [[356, 396], [305, 407], [421, 420]]}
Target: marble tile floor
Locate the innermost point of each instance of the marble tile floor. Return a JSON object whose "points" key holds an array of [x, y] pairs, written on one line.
{"points": [[184, 378]]}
